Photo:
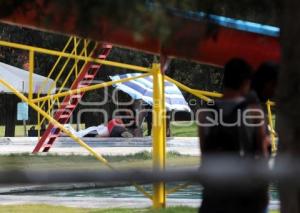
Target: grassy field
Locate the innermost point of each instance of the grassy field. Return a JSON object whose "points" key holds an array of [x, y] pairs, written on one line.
{"points": [[178, 129], [75, 162], [184, 129], [19, 130]]}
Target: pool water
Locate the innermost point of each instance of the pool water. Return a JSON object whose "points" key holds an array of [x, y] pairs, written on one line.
{"points": [[192, 192]]}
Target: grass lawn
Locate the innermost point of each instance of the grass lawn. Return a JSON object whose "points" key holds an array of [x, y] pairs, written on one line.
{"points": [[178, 129], [184, 129], [75, 162], [181, 129], [60, 209], [19, 130]]}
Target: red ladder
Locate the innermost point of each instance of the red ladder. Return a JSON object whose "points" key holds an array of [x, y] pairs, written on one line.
{"points": [[63, 114]]}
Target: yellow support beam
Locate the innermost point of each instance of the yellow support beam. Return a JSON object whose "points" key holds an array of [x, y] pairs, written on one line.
{"points": [[72, 56], [179, 187], [272, 103], [75, 52], [209, 94], [31, 71], [44, 83], [65, 82], [158, 145], [54, 66], [65, 64], [88, 88], [56, 123], [66, 131], [270, 118], [187, 89]]}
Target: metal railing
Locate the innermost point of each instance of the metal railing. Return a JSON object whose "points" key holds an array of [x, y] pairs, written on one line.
{"points": [[159, 121]]}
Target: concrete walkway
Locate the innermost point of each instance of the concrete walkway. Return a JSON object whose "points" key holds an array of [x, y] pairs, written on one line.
{"points": [[101, 202], [105, 146], [91, 202]]}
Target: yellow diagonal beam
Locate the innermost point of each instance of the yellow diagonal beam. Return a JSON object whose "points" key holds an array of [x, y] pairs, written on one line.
{"points": [[187, 89], [31, 71], [68, 55], [178, 188], [209, 94], [54, 66], [88, 88], [270, 118], [52, 86], [67, 132], [65, 82]]}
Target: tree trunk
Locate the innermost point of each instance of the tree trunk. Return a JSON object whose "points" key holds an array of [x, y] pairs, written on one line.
{"points": [[288, 115]]}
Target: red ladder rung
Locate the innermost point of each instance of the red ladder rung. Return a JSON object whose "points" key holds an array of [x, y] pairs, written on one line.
{"points": [[76, 96], [88, 76], [47, 145], [70, 106], [82, 85], [64, 116], [95, 66], [102, 56], [107, 46], [53, 136]]}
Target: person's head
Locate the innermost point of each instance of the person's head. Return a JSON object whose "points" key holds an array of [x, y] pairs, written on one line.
{"points": [[265, 80], [237, 76]]}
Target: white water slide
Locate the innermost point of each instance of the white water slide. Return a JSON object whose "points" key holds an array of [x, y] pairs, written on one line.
{"points": [[19, 79]]}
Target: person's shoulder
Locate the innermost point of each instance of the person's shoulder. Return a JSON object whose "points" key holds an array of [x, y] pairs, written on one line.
{"points": [[252, 98]]}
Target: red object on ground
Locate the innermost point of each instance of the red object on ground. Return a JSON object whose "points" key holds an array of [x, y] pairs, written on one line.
{"points": [[114, 122]]}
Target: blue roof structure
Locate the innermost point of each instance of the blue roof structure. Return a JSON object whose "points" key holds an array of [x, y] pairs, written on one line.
{"points": [[224, 21]]}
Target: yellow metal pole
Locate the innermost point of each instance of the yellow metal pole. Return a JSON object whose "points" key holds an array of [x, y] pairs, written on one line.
{"points": [[270, 118], [185, 88], [164, 112], [64, 83], [56, 123], [159, 193], [54, 66], [38, 121], [68, 55], [179, 187], [85, 47], [75, 52], [31, 70], [88, 88], [207, 93]]}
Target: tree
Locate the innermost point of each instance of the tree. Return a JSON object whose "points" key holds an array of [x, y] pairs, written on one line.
{"points": [[288, 114]]}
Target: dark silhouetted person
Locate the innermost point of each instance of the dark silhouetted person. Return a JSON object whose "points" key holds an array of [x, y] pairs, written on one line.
{"points": [[265, 81], [264, 84], [239, 140]]}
